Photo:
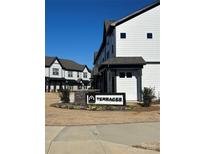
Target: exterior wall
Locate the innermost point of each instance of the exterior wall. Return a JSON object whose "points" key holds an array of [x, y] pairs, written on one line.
{"points": [[136, 42], [110, 42], [88, 74], [151, 77], [47, 71], [74, 75], [56, 65]]}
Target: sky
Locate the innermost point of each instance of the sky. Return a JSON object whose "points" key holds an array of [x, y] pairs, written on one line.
{"points": [[74, 28]]}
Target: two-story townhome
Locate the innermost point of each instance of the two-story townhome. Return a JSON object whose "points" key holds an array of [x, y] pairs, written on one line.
{"points": [[129, 56], [65, 74]]}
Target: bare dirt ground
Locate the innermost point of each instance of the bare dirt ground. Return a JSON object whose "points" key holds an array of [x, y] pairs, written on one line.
{"points": [[65, 117]]}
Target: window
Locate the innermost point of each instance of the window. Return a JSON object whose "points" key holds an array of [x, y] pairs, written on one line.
{"points": [[112, 49], [149, 36], [55, 71], [85, 74], [123, 35], [78, 74], [70, 74], [122, 74], [129, 74]]}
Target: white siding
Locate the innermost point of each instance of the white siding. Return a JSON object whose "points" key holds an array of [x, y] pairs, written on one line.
{"points": [[88, 74], [151, 77], [56, 65], [127, 85], [47, 71], [136, 42], [71, 78]]}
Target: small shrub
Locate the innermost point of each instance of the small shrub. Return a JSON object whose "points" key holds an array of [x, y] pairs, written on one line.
{"points": [[148, 95], [71, 107], [63, 106], [65, 95]]}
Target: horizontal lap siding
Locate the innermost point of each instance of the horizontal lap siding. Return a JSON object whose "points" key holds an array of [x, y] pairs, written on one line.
{"points": [[151, 77], [136, 42]]}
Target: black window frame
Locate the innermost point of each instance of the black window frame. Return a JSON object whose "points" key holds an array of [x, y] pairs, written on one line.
{"points": [[128, 76], [149, 35], [123, 35], [78, 74], [120, 74]]}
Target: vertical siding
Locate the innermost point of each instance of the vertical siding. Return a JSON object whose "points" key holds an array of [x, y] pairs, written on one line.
{"points": [[136, 42], [151, 77]]}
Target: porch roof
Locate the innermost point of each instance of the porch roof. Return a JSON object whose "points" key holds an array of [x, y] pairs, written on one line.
{"points": [[123, 62]]}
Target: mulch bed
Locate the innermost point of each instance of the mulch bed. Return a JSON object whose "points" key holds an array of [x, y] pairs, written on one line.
{"points": [[134, 107]]}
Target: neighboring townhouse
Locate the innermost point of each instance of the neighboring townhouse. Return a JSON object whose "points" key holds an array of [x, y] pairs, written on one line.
{"points": [[129, 56], [65, 74]]}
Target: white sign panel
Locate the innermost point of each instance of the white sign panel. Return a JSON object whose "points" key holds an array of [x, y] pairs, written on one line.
{"points": [[105, 99]]}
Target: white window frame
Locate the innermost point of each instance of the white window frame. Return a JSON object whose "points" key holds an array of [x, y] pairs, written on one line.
{"points": [[70, 74], [85, 75]]}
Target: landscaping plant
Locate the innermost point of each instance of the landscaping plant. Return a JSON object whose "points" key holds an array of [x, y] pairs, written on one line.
{"points": [[64, 95], [148, 95]]}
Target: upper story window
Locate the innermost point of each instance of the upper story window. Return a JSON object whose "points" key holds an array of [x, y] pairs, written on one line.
{"points": [[149, 36], [55, 71], [122, 74], [78, 74], [123, 35], [70, 74], [85, 75]]}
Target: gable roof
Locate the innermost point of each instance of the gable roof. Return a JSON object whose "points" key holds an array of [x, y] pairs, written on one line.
{"points": [[136, 13], [109, 25], [65, 63]]}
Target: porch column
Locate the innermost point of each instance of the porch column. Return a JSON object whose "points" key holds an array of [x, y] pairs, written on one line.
{"points": [[54, 85], [108, 80], [139, 85], [65, 85], [49, 86]]}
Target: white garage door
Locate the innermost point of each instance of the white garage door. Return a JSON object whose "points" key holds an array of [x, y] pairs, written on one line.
{"points": [[127, 82]]}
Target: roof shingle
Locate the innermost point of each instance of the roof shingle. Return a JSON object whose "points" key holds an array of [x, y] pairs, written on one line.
{"points": [[66, 64]]}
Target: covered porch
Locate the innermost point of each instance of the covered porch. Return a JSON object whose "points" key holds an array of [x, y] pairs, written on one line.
{"points": [[122, 74]]}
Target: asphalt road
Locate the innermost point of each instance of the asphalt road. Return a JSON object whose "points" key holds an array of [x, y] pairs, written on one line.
{"points": [[101, 139]]}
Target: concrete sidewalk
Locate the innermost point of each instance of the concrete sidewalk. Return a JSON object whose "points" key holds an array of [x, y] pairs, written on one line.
{"points": [[101, 139]]}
